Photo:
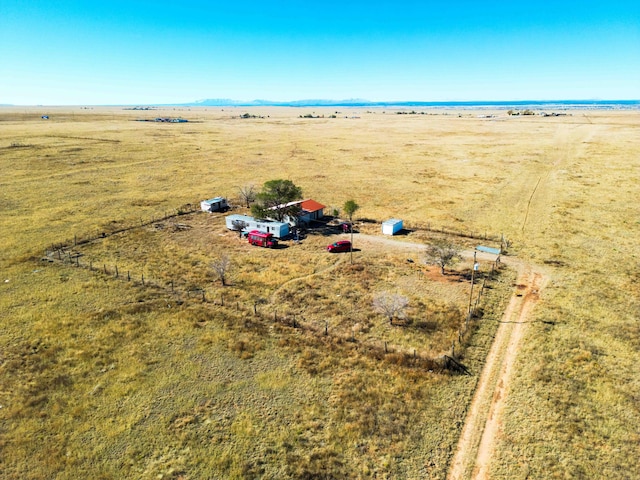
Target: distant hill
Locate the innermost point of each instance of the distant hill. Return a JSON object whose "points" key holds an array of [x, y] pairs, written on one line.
{"points": [[226, 102]]}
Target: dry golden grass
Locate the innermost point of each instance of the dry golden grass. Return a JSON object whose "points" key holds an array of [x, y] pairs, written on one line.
{"points": [[100, 378]]}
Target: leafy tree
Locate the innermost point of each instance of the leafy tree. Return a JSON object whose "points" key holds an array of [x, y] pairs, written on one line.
{"points": [[390, 305], [221, 267], [350, 207], [248, 194], [273, 200], [442, 253]]}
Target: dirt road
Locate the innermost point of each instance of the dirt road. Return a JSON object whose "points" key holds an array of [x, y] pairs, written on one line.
{"points": [[484, 419], [483, 424]]}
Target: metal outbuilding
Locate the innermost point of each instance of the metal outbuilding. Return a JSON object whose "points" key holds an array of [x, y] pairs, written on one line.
{"points": [[391, 226]]}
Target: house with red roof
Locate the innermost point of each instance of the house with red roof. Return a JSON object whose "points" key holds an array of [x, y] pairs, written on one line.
{"points": [[310, 210]]}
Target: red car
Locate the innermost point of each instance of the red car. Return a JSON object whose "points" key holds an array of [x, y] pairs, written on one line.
{"points": [[341, 246]]}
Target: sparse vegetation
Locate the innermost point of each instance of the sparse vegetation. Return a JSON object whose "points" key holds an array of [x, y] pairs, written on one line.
{"points": [[247, 194], [390, 305], [442, 253], [103, 378], [221, 267]]}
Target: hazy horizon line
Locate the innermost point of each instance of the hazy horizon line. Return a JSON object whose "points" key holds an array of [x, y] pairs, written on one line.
{"points": [[355, 102]]}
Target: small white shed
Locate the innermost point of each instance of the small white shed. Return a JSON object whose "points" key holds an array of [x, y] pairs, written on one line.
{"points": [[391, 226]]}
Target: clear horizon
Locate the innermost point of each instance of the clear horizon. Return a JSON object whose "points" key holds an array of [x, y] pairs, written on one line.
{"points": [[143, 53]]}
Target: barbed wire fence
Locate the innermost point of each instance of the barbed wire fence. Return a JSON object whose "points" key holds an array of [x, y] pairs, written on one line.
{"points": [[69, 252]]}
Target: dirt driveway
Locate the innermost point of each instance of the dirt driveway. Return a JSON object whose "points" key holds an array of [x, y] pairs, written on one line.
{"points": [[483, 425]]}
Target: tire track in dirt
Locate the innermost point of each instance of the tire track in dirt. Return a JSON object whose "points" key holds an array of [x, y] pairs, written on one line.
{"points": [[275, 293], [483, 424]]}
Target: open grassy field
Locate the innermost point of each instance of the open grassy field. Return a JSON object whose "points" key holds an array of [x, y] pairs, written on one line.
{"points": [[104, 378]]}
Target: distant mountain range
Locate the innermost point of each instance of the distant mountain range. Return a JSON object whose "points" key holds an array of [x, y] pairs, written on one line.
{"points": [[359, 102], [226, 102]]}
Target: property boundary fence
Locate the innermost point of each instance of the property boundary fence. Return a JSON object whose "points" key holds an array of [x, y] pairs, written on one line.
{"points": [[476, 235], [68, 252]]}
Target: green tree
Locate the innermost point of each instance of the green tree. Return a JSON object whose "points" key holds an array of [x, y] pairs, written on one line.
{"points": [[350, 208], [273, 201]]}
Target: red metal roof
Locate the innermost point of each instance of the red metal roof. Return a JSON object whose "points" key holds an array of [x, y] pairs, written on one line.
{"points": [[311, 205]]}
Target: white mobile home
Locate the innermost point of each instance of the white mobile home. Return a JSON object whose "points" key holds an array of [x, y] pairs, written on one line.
{"points": [[216, 204], [278, 229], [391, 226]]}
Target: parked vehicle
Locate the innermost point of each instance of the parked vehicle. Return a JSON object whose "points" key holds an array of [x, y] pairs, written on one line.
{"points": [[262, 239], [341, 246]]}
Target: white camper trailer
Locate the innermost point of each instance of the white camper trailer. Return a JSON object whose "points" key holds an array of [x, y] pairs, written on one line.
{"points": [[217, 204]]}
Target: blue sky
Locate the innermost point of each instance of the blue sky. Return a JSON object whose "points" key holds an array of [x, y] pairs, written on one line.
{"points": [[140, 52]]}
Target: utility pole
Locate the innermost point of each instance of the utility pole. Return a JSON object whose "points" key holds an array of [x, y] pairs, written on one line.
{"points": [[473, 271]]}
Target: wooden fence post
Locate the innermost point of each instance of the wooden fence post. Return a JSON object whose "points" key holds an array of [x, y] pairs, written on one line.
{"points": [[117, 274]]}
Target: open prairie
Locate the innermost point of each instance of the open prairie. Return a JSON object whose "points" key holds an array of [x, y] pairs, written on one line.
{"points": [[106, 378]]}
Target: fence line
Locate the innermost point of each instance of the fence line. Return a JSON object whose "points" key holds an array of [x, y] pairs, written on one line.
{"points": [[64, 252], [450, 231]]}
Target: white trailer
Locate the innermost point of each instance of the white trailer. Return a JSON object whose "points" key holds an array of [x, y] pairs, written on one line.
{"points": [[216, 204], [278, 229]]}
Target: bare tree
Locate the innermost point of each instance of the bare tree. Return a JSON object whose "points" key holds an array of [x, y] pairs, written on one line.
{"points": [[248, 194], [443, 254], [238, 226], [390, 305], [221, 267]]}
